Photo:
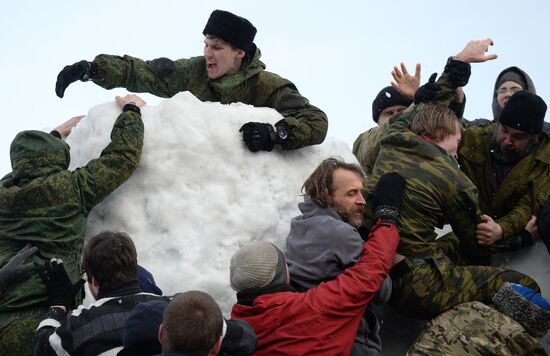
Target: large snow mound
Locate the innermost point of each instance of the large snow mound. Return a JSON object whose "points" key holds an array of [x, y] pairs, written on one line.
{"points": [[198, 193]]}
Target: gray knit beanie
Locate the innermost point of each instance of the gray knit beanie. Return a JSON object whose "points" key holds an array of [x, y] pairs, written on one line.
{"points": [[258, 264], [511, 76], [525, 306]]}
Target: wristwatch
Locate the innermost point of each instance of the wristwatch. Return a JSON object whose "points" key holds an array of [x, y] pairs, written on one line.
{"points": [[281, 134]]}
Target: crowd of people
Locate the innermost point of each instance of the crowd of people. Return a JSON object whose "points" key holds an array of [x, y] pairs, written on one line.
{"points": [[365, 236]]}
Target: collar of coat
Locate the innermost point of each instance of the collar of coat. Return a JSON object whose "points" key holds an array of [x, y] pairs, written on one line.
{"points": [[232, 82]]}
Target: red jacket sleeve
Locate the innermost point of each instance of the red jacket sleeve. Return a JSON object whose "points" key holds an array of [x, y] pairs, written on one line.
{"points": [[356, 286]]}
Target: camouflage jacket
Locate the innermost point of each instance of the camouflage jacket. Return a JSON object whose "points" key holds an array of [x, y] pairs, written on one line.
{"points": [[43, 203], [367, 146], [475, 329], [307, 125], [436, 191], [522, 192]]}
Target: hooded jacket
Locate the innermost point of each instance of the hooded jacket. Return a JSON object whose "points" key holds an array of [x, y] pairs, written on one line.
{"points": [[307, 125], [529, 86], [322, 320], [43, 203]]}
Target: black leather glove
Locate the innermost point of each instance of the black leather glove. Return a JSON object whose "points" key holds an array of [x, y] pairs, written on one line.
{"points": [[458, 72], [82, 70], [16, 268], [427, 92], [387, 197], [258, 136], [60, 289]]}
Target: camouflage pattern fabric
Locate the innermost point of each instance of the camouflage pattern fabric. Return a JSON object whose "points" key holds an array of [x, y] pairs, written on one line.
{"points": [[437, 192], [18, 330], [436, 284], [522, 192], [475, 329], [307, 124], [367, 146], [43, 203]]}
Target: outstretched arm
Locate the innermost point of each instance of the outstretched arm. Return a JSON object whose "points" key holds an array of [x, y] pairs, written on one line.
{"points": [[404, 82]]}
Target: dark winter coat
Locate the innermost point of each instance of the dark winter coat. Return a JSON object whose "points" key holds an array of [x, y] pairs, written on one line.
{"points": [[522, 192], [323, 320], [43, 203], [307, 125]]}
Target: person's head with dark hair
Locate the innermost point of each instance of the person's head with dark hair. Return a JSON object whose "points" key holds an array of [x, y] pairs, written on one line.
{"points": [[440, 125], [192, 324], [110, 261], [338, 185]]}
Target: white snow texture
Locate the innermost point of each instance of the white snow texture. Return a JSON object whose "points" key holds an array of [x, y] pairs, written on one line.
{"points": [[198, 193]]}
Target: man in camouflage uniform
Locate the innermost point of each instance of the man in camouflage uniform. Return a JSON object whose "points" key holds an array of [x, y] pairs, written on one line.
{"points": [[388, 102], [230, 71], [43, 203], [421, 145], [509, 163]]}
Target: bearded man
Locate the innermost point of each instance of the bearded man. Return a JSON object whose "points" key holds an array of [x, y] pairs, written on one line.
{"points": [[509, 163], [324, 240]]}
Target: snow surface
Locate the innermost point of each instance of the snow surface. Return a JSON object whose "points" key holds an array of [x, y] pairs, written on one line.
{"points": [[198, 194]]}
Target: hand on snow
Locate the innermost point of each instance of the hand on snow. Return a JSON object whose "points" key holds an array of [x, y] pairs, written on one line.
{"points": [[61, 291], [405, 83], [16, 268], [130, 98], [65, 128], [475, 52], [258, 136], [488, 231], [82, 70]]}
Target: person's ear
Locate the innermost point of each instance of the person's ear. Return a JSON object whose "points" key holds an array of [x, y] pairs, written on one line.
{"points": [[240, 53], [161, 334], [217, 346]]}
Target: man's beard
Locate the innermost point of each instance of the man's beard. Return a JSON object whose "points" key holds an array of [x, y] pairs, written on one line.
{"points": [[509, 157], [355, 220]]}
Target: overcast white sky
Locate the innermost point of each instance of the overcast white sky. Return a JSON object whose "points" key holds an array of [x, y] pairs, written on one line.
{"points": [[338, 53]]}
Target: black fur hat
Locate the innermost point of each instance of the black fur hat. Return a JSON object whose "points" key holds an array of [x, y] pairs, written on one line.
{"points": [[231, 28]]}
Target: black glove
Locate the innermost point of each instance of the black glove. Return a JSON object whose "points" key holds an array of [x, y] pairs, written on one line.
{"points": [[258, 136], [58, 285], [82, 70], [458, 72], [387, 197], [427, 92], [15, 268]]}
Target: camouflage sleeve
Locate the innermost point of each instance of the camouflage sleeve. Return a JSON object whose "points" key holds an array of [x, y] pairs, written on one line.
{"points": [[462, 212], [116, 163], [307, 125], [161, 77], [367, 147], [516, 219]]}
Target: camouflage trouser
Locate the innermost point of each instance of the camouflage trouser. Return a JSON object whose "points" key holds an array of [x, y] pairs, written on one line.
{"points": [[475, 329], [17, 330], [423, 289]]}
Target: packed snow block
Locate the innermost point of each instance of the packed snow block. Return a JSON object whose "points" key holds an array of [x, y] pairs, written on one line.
{"points": [[198, 193]]}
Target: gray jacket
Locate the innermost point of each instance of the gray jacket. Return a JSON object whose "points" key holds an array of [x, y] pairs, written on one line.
{"points": [[320, 245]]}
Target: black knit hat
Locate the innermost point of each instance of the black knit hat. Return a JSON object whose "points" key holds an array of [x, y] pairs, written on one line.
{"points": [[231, 28], [524, 111], [388, 97]]}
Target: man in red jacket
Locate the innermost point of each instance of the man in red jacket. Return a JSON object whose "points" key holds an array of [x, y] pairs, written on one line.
{"points": [[323, 319]]}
